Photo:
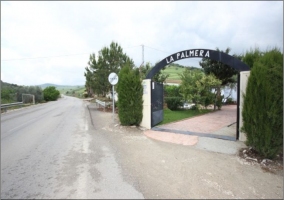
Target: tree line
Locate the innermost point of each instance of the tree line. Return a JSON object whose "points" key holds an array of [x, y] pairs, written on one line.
{"points": [[111, 59], [14, 93], [18, 93]]}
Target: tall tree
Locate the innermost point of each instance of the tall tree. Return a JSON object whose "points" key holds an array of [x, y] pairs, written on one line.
{"points": [[88, 82], [160, 77], [110, 59], [221, 71]]}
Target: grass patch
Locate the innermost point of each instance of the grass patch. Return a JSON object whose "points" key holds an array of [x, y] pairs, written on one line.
{"points": [[172, 116]]}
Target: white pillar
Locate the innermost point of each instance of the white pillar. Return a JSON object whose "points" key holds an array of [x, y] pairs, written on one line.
{"points": [[146, 120], [243, 85]]}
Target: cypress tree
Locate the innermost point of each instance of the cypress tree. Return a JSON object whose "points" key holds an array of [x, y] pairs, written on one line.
{"points": [[251, 56], [263, 105], [130, 92]]}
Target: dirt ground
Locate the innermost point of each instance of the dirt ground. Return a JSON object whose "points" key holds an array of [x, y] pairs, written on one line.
{"points": [[168, 171], [274, 166], [164, 170], [247, 154], [161, 170]]}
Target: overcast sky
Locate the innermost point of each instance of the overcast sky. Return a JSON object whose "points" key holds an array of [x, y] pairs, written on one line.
{"points": [[50, 42]]}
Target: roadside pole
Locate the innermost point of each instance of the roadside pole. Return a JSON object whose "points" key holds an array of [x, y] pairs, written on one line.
{"points": [[113, 79], [113, 103]]}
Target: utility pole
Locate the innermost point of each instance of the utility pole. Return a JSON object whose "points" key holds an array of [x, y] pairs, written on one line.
{"points": [[142, 54], [142, 58]]}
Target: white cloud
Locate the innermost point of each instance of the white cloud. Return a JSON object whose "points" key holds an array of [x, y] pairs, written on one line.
{"points": [[40, 29]]}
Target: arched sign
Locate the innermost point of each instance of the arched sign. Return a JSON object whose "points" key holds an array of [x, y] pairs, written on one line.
{"points": [[199, 53]]}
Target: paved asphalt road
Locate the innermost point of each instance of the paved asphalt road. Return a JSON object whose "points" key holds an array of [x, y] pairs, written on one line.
{"points": [[53, 151]]}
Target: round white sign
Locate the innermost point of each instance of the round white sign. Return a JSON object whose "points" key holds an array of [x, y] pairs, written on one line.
{"points": [[113, 78]]}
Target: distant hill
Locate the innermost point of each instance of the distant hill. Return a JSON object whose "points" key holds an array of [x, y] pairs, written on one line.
{"points": [[4, 84], [59, 86], [47, 85]]}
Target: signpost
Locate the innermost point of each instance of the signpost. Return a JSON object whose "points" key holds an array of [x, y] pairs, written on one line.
{"points": [[113, 79]]}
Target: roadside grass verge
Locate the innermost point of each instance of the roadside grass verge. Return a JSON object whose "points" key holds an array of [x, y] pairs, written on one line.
{"points": [[172, 116]]}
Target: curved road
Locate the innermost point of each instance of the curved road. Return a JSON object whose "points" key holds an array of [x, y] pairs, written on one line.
{"points": [[52, 151]]}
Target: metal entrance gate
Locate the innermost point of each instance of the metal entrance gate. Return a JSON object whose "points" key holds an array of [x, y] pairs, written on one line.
{"points": [[157, 102]]}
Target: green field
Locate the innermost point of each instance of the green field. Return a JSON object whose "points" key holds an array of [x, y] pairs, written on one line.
{"points": [[71, 90], [173, 72], [75, 91], [63, 89]]}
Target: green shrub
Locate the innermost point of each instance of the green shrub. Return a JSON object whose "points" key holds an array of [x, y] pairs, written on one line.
{"points": [[51, 94], [172, 91], [173, 103], [6, 95], [263, 105], [85, 94], [130, 92]]}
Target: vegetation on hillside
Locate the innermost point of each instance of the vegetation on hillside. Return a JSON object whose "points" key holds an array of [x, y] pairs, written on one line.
{"points": [[175, 70], [14, 93], [74, 91]]}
